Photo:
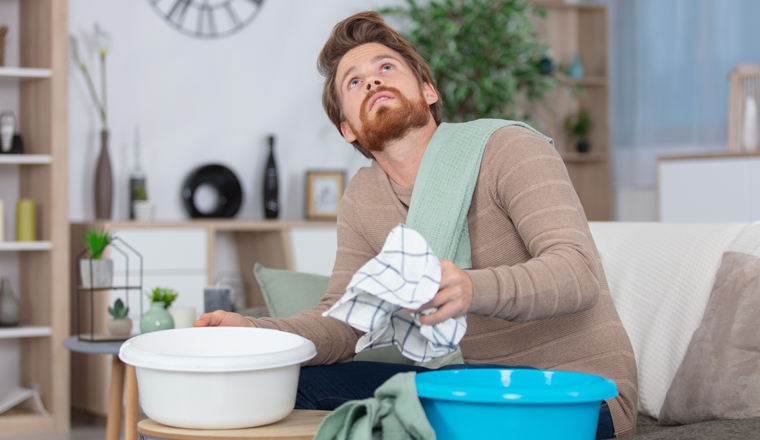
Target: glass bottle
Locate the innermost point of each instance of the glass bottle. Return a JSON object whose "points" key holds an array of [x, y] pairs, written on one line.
{"points": [[137, 188], [271, 204]]}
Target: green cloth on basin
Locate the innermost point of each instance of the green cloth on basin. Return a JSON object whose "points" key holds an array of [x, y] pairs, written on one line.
{"points": [[395, 413], [446, 178]]}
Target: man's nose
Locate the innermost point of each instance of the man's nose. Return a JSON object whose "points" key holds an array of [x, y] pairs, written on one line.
{"points": [[371, 82]]}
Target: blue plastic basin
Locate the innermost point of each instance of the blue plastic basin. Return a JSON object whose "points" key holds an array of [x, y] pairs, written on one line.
{"points": [[515, 404]]}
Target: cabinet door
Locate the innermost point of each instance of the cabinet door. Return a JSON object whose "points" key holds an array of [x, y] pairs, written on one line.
{"points": [[314, 249], [705, 190], [173, 258]]}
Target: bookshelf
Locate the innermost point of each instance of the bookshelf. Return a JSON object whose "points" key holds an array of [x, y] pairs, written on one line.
{"points": [[37, 75], [580, 28]]}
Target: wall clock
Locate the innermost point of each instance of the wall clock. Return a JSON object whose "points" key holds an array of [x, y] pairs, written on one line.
{"points": [[207, 18]]}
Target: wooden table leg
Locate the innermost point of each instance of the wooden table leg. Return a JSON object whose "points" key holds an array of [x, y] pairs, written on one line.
{"points": [[115, 394], [130, 419]]}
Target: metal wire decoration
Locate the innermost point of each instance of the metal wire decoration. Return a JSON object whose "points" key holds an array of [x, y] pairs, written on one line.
{"points": [[116, 244], [207, 19], [744, 100]]}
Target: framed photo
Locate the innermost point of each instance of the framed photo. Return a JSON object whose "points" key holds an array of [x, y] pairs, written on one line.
{"points": [[323, 192]]}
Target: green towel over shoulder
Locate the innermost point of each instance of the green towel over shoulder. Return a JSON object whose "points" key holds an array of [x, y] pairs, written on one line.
{"points": [[445, 182]]}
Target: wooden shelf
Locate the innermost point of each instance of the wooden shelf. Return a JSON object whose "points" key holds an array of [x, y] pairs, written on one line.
{"points": [[26, 159], [562, 5], [25, 331], [11, 246], [588, 81], [583, 157], [24, 73]]}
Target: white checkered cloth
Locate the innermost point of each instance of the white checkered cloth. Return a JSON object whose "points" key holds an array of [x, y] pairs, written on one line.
{"points": [[404, 275]]}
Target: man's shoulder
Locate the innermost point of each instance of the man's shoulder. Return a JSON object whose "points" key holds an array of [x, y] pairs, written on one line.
{"points": [[364, 179], [518, 140]]}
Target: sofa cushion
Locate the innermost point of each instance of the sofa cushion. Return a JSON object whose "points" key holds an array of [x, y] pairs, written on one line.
{"points": [[719, 377], [660, 276], [287, 293]]}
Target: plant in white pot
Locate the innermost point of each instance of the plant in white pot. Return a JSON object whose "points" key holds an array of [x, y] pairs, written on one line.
{"points": [[96, 271], [120, 324]]}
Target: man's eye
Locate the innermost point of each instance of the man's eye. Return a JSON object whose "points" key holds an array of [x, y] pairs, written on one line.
{"points": [[386, 67], [353, 82]]}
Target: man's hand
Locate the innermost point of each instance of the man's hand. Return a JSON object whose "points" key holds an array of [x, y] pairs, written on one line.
{"points": [[220, 318], [454, 296]]}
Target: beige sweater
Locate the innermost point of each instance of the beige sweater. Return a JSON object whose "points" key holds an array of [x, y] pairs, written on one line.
{"points": [[540, 295]]}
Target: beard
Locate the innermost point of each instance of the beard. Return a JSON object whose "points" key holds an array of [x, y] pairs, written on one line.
{"points": [[389, 123]]}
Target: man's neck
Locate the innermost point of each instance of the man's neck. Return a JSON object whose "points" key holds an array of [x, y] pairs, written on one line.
{"points": [[401, 158]]}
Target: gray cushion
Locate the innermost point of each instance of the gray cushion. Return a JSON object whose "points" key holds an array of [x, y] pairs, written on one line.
{"points": [[719, 377], [287, 293]]}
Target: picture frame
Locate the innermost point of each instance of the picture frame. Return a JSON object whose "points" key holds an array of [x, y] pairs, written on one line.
{"points": [[324, 190]]}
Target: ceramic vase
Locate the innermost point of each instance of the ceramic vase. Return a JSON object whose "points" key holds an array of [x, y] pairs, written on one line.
{"points": [[101, 274], [8, 304], [157, 318], [119, 327], [103, 180]]}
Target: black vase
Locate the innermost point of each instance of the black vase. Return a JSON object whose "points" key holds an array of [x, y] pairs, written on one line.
{"points": [[271, 204]]}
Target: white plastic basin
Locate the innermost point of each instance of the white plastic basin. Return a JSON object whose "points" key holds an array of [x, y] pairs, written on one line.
{"points": [[217, 377]]}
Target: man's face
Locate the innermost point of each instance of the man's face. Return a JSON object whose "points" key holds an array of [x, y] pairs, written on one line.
{"points": [[380, 96]]}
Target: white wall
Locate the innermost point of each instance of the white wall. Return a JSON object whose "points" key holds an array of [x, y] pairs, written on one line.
{"points": [[202, 101]]}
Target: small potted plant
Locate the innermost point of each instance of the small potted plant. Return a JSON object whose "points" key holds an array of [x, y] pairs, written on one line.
{"points": [[578, 126], [158, 318], [97, 271], [119, 324]]}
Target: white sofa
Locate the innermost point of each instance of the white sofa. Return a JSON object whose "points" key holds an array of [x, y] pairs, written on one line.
{"points": [[660, 277]]}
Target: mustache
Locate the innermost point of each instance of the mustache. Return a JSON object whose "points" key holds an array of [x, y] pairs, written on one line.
{"points": [[379, 89]]}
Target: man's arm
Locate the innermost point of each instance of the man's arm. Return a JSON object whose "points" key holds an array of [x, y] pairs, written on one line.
{"points": [[335, 340], [528, 181]]}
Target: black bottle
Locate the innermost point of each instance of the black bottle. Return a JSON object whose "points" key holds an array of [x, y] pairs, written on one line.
{"points": [[271, 205]]}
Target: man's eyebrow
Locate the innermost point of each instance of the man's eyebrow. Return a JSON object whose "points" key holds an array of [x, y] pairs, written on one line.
{"points": [[374, 60]]}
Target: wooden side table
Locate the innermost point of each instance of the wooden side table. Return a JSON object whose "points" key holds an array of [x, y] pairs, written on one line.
{"points": [[115, 393], [298, 425]]}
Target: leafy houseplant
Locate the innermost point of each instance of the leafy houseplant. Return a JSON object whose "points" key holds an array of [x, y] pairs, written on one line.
{"points": [[120, 324], [164, 295], [96, 271], [578, 126], [484, 55]]}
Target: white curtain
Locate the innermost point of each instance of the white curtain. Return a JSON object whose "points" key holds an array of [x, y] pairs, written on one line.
{"points": [[669, 65]]}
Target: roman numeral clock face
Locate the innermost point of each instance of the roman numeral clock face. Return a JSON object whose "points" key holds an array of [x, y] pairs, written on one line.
{"points": [[207, 18]]}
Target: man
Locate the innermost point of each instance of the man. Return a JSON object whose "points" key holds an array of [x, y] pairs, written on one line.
{"points": [[536, 294]]}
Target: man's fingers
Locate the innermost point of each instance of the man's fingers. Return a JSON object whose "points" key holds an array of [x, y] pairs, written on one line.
{"points": [[446, 311]]}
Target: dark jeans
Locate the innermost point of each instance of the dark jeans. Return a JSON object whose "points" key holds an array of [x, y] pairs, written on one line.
{"points": [[329, 386]]}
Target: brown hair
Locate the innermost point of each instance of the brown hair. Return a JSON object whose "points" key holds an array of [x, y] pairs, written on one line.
{"points": [[362, 28]]}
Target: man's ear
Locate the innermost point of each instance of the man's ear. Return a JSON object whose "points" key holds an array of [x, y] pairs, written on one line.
{"points": [[348, 134], [428, 91]]}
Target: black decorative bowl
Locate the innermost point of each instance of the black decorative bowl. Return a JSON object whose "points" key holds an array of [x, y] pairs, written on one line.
{"points": [[228, 197]]}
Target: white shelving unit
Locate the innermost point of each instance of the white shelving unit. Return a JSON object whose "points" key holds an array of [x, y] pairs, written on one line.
{"points": [[12, 246], [26, 159], [24, 73], [25, 331]]}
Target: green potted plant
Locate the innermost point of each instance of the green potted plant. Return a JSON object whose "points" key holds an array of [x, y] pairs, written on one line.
{"points": [[120, 324], [158, 318], [578, 127], [96, 271], [485, 55]]}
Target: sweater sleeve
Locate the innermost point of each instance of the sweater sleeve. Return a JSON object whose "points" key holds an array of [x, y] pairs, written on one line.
{"points": [[528, 181], [335, 340]]}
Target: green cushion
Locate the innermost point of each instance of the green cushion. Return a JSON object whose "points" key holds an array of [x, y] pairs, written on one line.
{"points": [[288, 293]]}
